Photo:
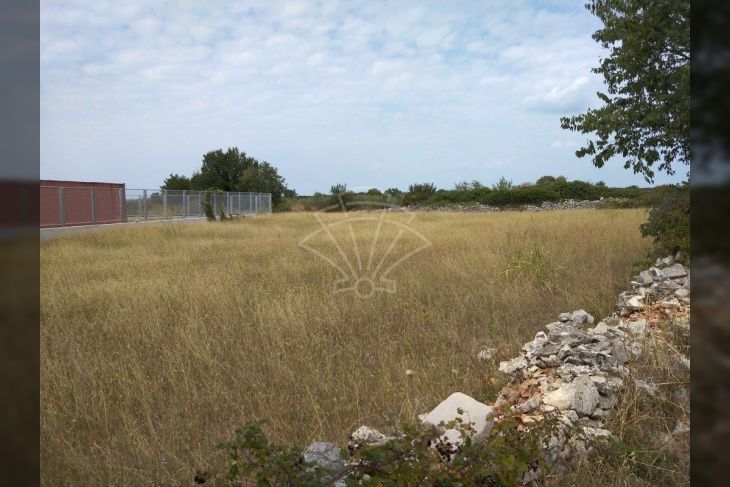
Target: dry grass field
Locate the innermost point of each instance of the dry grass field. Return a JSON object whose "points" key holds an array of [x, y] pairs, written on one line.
{"points": [[157, 341]]}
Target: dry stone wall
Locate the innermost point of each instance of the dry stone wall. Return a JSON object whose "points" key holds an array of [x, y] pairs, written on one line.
{"points": [[544, 206], [572, 371]]}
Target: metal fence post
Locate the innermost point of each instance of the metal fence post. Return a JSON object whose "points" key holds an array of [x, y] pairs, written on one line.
{"points": [[60, 205], [164, 203], [144, 202], [270, 208], [183, 203], [250, 203], [215, 204], [93, 205]]}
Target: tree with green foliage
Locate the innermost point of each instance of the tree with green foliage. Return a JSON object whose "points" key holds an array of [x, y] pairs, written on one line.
{"points": [[503, 184], [176, 181], [262, 177], [645, 114], [545, 180], [668, 223], [419, 193], [340, 196], [223, 170], [468, 186], [233, 170]]}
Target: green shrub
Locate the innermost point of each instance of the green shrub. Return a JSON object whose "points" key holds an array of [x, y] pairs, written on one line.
{"points": [[571, 190], [208, 205], [222, 214], [504, 456], [669, 224], [419, 193], [519, 196], [340, 196], [458, 196], [503, 184]]}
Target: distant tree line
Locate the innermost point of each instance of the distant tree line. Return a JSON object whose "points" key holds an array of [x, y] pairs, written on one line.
{"points": [[233, 170], [503, 193]]}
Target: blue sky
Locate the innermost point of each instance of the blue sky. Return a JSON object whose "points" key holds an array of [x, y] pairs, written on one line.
{"points": [[367, 93]]}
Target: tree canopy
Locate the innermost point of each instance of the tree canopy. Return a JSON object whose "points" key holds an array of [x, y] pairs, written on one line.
{"points": [[233, 170], [645, 114]]}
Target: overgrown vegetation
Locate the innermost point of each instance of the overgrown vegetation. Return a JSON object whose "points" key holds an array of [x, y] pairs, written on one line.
{"points": [[187, 331], [207, 203], [503, 194], [412, 458], [669, 224], [531, 263]]}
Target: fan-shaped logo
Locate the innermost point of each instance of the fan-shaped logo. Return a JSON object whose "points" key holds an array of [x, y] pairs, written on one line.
{"points": [[363, 246]]}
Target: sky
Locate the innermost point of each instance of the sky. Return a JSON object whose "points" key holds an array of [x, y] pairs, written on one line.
{"points": [[371, 94]]}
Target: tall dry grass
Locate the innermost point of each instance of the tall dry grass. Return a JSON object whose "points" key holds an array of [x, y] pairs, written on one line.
{"points": [[157, 341]]}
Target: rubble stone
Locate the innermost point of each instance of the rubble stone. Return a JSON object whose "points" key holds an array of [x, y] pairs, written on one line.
{"points": [[513, 365], [366, 435], [324, 454], [675, 271], [464, 411]]}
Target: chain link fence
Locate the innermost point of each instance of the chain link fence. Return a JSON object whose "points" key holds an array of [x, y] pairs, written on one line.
{"points": [[147, 204], [64, 206]]}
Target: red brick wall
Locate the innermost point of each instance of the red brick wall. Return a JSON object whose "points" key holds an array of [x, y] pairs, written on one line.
{"points": [[83, 203]]}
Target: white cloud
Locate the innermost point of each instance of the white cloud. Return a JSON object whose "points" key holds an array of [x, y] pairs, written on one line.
{"points": [[320, 90]]}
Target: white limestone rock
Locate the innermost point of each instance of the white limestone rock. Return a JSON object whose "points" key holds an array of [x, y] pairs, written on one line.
{"points": [[595, 433], [462, 410], [581, 316], [366, 435], [324, 454], [513, 365], [638, 327], [581, 395], [559, 398], [675, 272], [600, 329]]}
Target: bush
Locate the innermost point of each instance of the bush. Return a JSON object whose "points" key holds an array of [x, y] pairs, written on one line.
{"points": [[340, 196], [504, 456], [503, 184], [571, 190], [458, 196], [528, 195], [208, 205], [419, 193], [669, 224]]}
